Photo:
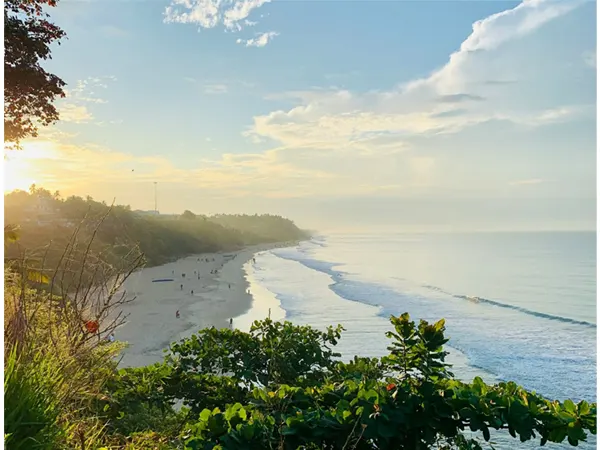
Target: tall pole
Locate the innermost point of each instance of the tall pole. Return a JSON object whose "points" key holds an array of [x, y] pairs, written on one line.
{"points": [[155, 199]]}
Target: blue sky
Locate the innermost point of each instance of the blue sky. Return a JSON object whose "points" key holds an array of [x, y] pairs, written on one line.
{"points": [[322, 109]]}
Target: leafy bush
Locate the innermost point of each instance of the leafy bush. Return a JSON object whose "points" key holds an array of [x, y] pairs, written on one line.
{"points": [[281, 386]]}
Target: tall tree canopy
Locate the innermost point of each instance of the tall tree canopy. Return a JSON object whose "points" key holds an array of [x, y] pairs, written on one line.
{"points": [[29, 90]]}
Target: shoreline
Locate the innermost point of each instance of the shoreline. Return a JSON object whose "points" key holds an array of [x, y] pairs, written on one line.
{"points": [[203, 297]]}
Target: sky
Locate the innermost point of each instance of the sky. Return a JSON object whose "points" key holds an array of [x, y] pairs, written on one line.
{"points": [[400, 115]]}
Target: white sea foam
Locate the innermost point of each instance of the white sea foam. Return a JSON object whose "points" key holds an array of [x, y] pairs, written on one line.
{"points": [[516, 324]]}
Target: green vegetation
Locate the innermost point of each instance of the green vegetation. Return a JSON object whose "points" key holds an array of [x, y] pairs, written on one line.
{"points": [[279, 386], [47, 223]]}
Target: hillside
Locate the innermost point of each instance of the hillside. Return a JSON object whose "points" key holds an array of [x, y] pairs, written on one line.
{"points": [[47, 223]]}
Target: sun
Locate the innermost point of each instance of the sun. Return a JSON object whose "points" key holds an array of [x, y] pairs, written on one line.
{"points": [[17, 173], [21, 168]]}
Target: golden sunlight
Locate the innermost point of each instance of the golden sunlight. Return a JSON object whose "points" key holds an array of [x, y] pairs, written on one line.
{"points": [[22, 167]]}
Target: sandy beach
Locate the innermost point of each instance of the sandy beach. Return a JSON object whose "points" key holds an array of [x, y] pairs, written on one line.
{"points": [[207, 290]]}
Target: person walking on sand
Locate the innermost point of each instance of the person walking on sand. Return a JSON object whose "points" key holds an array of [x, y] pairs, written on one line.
{"points": [[177, 314], [192, 292], [182, 287], [231, 322], [229, 285]]}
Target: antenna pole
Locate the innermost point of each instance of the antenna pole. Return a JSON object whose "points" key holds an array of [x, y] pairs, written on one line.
{"points": [[155, 199]]}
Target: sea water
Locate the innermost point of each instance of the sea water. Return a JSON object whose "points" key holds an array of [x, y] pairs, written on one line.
{"points": [[518, 306]]}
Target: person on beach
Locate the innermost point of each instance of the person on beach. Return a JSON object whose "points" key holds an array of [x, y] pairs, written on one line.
{"points": [[177, 314], [229, 285], [231, 322], [182, 287], [192, 292]]}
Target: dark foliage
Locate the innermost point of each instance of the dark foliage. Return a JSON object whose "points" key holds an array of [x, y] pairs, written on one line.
{"points": [[29, 90]]}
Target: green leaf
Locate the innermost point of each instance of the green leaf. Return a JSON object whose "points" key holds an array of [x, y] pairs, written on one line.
{"points": [[583, 408], [486, 433], [570, 406]]}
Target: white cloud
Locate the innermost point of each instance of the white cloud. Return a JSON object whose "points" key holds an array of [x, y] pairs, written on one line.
{"points": [[489, 34], [260, 40], [428, 105], [75, 107], [215, 89], [74, 113], [239, 12], [232, 15], [482, 86], [85, 91]]}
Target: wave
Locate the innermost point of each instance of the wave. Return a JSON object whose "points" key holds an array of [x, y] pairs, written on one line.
{"points": [[498, 304], [327, 268]]}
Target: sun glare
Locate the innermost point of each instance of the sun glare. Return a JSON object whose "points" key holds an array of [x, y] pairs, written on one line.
{"points": [[20, 166]]}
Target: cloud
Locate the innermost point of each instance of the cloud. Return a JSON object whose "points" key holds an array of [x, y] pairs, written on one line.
{"points": [[333, 118], [457, 98], [526, 182], [85, 91], [207, 14], [589, 58], [260, 40], [450, 113], [215, 89], [75, 107], [498, 82], [402, 134], [73, 113], [425, 137]]}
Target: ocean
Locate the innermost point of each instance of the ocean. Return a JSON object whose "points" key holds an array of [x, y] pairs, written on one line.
{"points": [[518, 306]]}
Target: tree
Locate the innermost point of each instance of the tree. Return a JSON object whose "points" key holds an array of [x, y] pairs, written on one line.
{"points": [[29, 90], [187, 214]]}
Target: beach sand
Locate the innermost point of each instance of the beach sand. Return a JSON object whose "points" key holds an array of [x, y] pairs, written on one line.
{"points": [[151, 325]]}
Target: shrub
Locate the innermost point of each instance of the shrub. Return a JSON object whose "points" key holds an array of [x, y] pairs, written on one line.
{"points": [[280, 386]]}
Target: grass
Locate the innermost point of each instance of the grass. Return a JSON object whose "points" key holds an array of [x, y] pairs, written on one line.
{"points": [[31, 405]]}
